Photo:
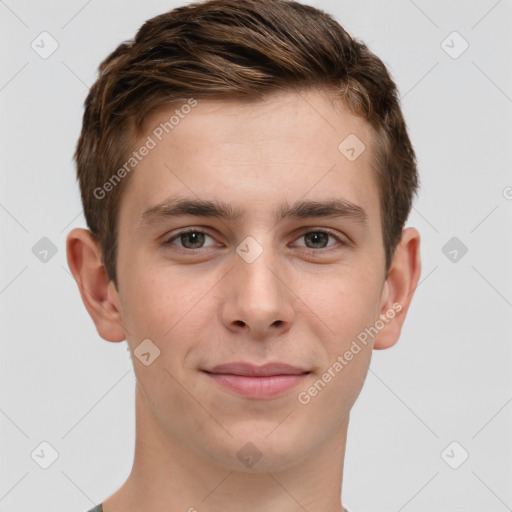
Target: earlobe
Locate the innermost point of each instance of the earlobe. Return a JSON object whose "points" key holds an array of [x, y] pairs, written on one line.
{"points": [[399, 288], [84, 260]]}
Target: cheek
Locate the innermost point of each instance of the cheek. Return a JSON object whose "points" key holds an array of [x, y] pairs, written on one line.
{"points": [[149, 303], [166, 304], [346, 301], [349, 305]]}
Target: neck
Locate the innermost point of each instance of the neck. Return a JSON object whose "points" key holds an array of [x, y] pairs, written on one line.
{"points": [[168, 475]]}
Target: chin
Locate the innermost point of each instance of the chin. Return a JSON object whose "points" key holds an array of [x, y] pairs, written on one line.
{"points": [[259, 447]]}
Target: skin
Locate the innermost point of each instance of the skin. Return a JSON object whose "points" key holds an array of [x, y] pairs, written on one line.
{"points": [[191, 305]]}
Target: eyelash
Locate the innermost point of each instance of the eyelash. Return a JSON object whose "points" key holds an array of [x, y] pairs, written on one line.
{"points": [[308, 250]]}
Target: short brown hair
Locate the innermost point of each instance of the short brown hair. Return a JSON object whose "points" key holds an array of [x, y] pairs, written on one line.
{"points": [[243, 49]]}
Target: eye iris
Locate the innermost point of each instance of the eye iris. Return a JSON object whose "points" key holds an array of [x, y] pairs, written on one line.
{"points": [[197, 239], [318, 237], [195, 236]]}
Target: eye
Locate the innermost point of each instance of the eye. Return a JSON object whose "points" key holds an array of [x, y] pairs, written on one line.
{"points": [[194, 239], [319, 239], [190, 239]]}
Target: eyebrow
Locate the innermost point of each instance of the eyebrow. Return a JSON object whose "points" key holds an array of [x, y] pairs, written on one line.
{"points": [[180, 206]]}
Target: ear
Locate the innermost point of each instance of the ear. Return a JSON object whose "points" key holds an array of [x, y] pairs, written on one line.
{"points": [[399, 288], [99, 294]]}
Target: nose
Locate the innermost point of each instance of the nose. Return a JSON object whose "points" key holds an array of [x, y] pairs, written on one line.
{"points": [[257, 297]]}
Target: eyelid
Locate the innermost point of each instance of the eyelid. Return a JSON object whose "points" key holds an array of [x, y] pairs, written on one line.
{"points": [[343, 240], [184, 231]]}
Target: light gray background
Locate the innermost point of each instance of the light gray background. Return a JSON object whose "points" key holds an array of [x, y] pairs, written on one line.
{"points": [[448, 378]]}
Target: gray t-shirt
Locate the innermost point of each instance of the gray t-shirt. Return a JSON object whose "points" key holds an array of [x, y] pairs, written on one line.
{"points": [[99, 508]]}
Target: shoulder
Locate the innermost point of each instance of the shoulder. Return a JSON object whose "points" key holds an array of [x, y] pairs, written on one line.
{"points": [[99, 508]]}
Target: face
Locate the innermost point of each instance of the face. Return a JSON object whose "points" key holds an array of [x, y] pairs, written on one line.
{"points": [[253, 285]]}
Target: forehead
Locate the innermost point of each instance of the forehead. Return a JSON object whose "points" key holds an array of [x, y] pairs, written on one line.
{"points": [[254, 154]]}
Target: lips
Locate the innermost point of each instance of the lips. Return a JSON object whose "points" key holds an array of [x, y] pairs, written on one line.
{"points": [[251, 370], [257, 382]]}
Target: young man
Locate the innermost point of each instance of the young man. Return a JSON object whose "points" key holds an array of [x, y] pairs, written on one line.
{"points": [[246, 174]]}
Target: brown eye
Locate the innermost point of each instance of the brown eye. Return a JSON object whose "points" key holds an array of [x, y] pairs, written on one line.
{"points": [[192, 239], [318, 239]]}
